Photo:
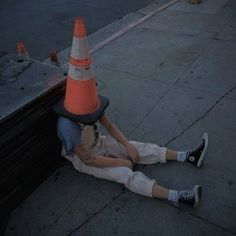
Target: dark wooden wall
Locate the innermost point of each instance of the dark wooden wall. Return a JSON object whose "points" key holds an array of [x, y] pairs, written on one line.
{"points": [[29, 149]]}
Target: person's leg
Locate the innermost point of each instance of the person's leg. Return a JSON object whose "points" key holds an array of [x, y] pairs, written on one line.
{"points": [[148, 153], [159, 192], [135, 181], [195, 156], [191, 197], [152, 153], [139, 183], [171, 155]]}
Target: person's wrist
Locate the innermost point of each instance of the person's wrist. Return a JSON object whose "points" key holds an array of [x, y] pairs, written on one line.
{"points": [[132, 161], [126, 163]]}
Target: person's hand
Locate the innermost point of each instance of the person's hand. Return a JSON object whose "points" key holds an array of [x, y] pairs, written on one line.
{"points": [[129, 164], [125, 163], [132, 153]]}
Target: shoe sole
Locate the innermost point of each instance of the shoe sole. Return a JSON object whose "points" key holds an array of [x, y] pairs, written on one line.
{"points": [[197, 194], [205, 138]]}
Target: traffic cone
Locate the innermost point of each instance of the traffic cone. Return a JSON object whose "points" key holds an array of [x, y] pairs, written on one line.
{"points": [[21, 50], [54, 58], [81, 102], [81, 96], [195, 1]]}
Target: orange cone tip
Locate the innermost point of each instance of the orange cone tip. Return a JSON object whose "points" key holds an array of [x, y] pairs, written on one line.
{"points": [[20, 48], [79, 29]]}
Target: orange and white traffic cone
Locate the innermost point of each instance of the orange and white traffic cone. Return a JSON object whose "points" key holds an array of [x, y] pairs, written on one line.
{"points": [[81, 95], [81, 102], [21, 50]]}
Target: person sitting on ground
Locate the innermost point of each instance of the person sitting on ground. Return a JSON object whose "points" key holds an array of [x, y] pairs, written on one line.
{"points": [[113, 156]]}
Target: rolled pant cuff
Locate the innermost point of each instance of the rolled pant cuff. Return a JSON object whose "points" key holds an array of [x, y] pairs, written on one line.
{"points": [[151, 188], [163, 155]]}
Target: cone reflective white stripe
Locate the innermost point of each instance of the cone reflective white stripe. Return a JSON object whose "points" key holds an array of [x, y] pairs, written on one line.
{"points": [[79, 73], [79, 49]]}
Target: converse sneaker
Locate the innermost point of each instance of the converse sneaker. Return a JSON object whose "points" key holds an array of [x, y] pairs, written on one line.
{"points": [[196, 156], [190, 197]]}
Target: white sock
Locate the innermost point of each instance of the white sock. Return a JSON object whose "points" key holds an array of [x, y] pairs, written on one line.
{"points": [[173, 196], [181, 156]]}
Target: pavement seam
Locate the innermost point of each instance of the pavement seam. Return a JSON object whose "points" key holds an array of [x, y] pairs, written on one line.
{"points": [[201, 117], [202, 219], [198, 217], [96, 213], [225, 25], [135, 75], [209, 222], [151, 109], [63, 212], [172, 84], [201, 90]]}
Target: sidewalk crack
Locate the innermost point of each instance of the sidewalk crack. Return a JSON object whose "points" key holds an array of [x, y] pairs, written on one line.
{"points": [[96, 213], [201, 218], [209, 222], [201, 117], [151, 109]]}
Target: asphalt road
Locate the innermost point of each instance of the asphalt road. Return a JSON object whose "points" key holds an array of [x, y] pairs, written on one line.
{"points": [[43, 25]]}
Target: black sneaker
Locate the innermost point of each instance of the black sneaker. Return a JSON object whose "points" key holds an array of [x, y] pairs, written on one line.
{"points": [[196, 156], [190, 197]]}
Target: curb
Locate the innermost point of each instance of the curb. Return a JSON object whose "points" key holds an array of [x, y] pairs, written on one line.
{"points": [[116, 29]]}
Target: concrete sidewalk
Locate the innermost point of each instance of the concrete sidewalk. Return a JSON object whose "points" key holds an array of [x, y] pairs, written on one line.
{"points": [[169, 79]]}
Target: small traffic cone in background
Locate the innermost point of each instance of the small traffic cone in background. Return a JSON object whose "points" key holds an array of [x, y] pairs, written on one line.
{"points": [[54, 58], [81, 95], [195, 1], [21, 50]]}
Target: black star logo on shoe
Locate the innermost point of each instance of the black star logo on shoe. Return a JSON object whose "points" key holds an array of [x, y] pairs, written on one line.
{"points": [[196, 156]]}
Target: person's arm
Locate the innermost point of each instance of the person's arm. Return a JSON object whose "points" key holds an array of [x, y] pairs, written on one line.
{"points": [[99, 160], [119, 136]]}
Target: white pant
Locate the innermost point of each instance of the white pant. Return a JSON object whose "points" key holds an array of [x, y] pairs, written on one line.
{"points": [[135, 181]]}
